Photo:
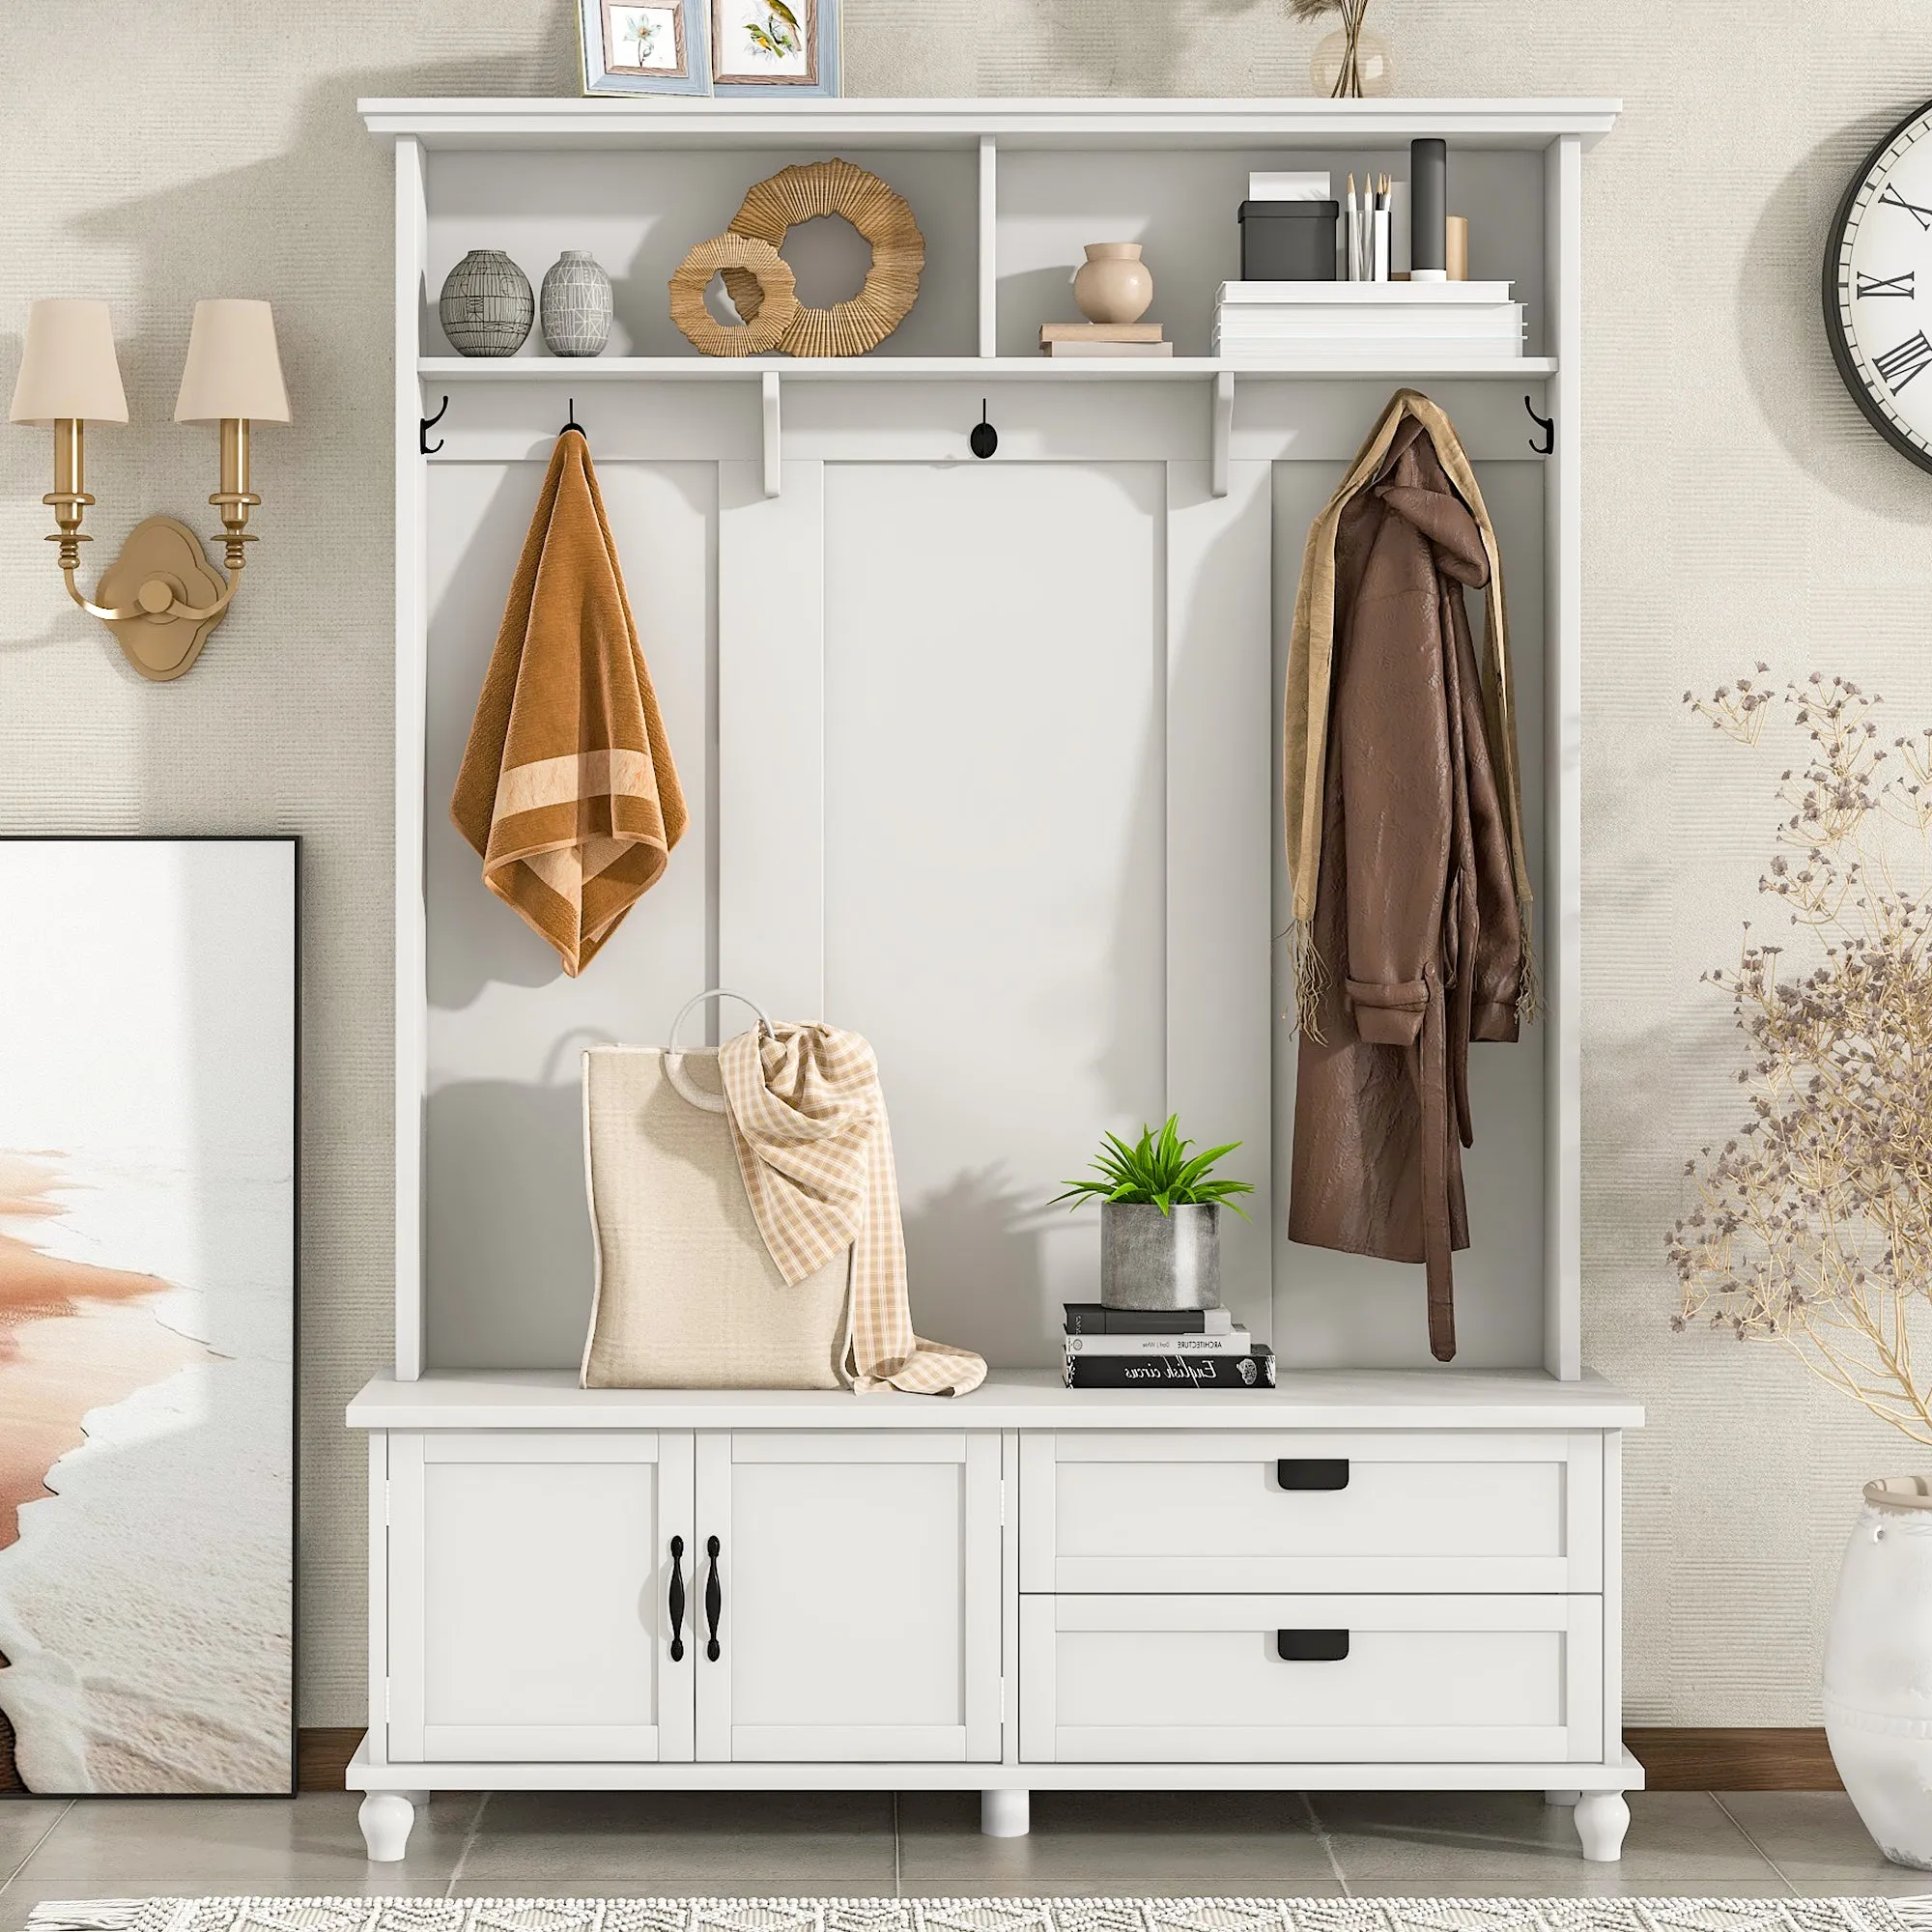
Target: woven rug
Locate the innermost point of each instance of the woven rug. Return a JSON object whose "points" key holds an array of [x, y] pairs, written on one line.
{"points": [[984, 1914]]}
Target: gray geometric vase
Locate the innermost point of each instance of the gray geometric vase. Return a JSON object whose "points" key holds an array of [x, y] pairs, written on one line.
{"points": [[486, 306], [576, 306]]}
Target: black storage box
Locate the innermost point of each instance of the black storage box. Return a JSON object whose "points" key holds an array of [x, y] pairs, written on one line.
{"points": [[1288, 240]]}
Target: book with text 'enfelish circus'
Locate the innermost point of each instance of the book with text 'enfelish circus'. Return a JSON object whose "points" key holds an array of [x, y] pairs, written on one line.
{"points": [[1252, 1370]]}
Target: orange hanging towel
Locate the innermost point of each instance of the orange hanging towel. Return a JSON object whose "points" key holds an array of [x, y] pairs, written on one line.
{"points": [[567, 789]]}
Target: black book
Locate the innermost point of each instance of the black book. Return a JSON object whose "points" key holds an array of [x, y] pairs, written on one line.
{"points": [[1090, 1317], [1254, 1370]]}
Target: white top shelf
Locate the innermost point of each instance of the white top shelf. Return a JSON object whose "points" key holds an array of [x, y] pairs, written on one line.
{"points": [[672, 122], [1008, 1399], [578, 371]]}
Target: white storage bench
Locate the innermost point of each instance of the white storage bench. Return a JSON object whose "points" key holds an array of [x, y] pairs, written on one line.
{"points": [[1387, 1580]]}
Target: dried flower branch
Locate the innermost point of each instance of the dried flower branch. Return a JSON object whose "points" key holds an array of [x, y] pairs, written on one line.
{"points": [[1815, 1225]]}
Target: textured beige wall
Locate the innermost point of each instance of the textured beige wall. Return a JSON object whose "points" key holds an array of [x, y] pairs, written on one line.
{"points": [[1737, 508]]}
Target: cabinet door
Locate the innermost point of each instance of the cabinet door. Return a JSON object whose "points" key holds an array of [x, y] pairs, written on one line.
{"points": [[529, 1580], [858, 1597]]}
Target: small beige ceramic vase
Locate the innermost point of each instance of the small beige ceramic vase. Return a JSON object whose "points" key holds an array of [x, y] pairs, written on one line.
{"points": [[1115, 285]]}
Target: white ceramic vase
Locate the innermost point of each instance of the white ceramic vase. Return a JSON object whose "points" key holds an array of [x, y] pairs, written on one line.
{"points": [[1113, 284], [1877, 1669], [576, 306]]}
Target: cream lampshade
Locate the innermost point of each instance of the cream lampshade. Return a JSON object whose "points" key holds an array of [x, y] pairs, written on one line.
{"points": [[233, 368], [69, 371]]}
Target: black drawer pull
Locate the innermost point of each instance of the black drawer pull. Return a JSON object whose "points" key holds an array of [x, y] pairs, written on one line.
{"points": [[677, 1599], [1311, 1646], [1312, 1472], [713, 1599]]}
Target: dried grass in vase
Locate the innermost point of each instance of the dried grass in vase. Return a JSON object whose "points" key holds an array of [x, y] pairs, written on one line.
{"points": [[1348, 75], [1814, 1224]]}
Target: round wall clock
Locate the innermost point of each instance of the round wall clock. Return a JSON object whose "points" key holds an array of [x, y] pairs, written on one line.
{"points": [[1878, 287]]}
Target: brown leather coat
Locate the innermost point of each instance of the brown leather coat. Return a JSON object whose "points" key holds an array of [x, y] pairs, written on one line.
{"points": [[1416, 919]]}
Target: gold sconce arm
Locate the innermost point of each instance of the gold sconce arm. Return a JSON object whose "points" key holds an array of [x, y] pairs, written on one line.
{"points": [[155, 600]]}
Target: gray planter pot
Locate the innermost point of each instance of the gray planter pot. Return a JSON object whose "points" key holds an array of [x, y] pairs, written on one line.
{"points": [[1151, 1259]]}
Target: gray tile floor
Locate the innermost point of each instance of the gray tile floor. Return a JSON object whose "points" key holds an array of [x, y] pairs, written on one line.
{"points": [[777, 1843]]}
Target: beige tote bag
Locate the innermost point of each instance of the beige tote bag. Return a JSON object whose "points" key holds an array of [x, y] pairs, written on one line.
{"points": [[686, 1294]]}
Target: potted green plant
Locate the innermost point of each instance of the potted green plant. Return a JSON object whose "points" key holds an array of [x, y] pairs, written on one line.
{"points": [[1160, 1219]]}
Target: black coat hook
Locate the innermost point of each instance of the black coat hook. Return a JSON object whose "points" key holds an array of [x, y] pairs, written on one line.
{"points": [[573, 423], [424, 424], [1548, 425], [984, 439]]}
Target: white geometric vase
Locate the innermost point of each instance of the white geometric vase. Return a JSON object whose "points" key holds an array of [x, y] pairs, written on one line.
{"points": [[576, 306]]}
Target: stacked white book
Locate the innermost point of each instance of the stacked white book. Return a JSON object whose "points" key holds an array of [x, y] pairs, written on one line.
{"points": [[1368, 322]]}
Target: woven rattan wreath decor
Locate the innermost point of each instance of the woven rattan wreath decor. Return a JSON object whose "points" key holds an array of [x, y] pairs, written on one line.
{"points": [[755, 262], [882, 216]]}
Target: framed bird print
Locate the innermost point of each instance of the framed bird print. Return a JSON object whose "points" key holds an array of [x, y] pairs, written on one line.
{"points": [[657, 48], [774, 46]]}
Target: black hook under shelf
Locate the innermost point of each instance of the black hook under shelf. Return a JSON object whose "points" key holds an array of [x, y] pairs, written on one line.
{"points": [[984, 439], [1548, 425], [574, 424], [424, 424]]}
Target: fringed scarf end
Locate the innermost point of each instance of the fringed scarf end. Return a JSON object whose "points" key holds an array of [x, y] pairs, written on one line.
{"points": [[1311, 979], [1529, 980]]}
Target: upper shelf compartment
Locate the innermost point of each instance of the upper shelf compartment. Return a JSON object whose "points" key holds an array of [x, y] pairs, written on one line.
{"points": [[1007, 194], [672, 122]]}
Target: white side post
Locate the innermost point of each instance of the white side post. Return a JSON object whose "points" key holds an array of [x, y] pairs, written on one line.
{"points": [[989, 230], [1560, 914], [378, 1743], [412, 673]]}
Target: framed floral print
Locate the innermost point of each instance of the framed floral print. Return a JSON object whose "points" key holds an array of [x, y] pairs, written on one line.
{"points": [[657, 47], [774, 46]]}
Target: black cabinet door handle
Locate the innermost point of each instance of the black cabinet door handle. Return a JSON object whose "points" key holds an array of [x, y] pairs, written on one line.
{"points": [[1312, 1472], [677, 1599], [713, 1599], [1311, 1646]]}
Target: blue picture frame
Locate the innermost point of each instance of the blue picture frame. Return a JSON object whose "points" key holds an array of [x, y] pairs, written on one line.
{"points": [[606, 30], [774, 50]]}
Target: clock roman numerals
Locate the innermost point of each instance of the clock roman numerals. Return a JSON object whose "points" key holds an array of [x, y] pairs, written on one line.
{"points": [[1891, 198], [1886, 285], [1910, 358]]}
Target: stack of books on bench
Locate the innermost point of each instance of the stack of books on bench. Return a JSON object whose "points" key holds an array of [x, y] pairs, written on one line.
{"points": [[1162, 1348]]}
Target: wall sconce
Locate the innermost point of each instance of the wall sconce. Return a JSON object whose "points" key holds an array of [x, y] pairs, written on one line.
{"points": [[160, 597]]}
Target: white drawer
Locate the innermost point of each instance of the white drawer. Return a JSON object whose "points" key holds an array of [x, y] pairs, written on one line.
{"points": [[1271, 1510], [1311, 1680]]}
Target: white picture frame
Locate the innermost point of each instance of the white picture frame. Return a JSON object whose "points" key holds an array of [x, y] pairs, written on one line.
{"points": [[644, 47]]}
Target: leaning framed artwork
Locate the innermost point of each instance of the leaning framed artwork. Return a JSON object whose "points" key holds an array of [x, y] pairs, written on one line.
{"points": [[654, 48], [774, 46], [147, 1261]]}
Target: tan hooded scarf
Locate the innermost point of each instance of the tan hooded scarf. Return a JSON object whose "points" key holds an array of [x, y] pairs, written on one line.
{"points": [[1311, 664]]}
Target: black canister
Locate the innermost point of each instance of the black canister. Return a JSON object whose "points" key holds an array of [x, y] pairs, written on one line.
{"points": [[1288, 240]]}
